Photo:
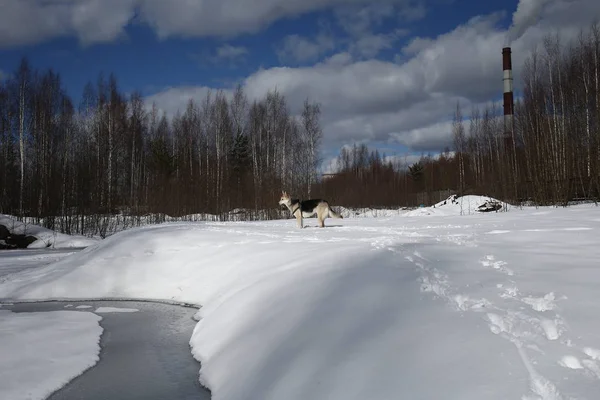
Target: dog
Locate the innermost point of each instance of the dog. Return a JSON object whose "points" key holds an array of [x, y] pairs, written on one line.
{"points": [[308, 208]]}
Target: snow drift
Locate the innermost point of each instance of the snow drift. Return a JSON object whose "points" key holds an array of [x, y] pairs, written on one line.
{"points": [[45, 237], [464, 205]]}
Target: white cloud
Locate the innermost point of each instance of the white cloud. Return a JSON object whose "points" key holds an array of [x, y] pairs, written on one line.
{"points": [[230, 52], [411, 103], [362, 23], [91, 21], [428, 138], [296, 48], [361, 38], [338, 60], [225, 17], [224, 55], [357, 20], [172, 99], [415, 11], [25, 22], [370, 45]]}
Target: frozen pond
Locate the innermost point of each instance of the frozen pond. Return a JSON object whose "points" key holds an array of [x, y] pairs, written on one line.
{"points": [[145, 353]]}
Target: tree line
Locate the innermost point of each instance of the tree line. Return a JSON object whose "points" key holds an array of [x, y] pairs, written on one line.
{"points": [[110, 154]]}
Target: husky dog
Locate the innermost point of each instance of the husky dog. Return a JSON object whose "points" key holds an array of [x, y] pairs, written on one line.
{"points": [[308, 208]]}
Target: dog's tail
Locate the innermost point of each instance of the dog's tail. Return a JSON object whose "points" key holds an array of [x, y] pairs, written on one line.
{"points": [[333, 214]]}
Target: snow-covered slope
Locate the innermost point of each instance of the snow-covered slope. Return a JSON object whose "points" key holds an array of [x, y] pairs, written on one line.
{"points": [[46, 237], [472, 306]]}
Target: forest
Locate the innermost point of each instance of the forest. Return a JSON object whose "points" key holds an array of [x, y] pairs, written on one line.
{"points": [[552, 158], [112, 154]]}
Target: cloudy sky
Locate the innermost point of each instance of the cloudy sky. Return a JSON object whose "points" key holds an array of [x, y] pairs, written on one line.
{"points": [[386, 72]]}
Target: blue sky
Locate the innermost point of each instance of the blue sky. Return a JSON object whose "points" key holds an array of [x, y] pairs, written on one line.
{"points": [[386, 72], [144, 62]]}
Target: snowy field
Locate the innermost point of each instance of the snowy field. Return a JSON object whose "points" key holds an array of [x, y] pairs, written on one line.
{"points": [[443, 303]]}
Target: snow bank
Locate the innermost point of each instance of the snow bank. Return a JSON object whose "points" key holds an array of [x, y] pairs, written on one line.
{"points": [[46, 237], [454, 205], [376, 308], [42, 352]]}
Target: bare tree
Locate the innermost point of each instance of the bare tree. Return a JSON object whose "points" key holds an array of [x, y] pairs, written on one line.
{"points": [[458, 133], [312, 136]]}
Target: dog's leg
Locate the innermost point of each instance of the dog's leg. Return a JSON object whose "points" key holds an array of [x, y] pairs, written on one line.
{"points": [[299, 219], [321, 215]]}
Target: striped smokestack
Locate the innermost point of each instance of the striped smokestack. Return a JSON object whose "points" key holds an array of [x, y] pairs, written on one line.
{"points": [[508, 97]]}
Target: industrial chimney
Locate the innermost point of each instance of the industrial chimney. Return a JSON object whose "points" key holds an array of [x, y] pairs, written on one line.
{"points": [[508, 98]]}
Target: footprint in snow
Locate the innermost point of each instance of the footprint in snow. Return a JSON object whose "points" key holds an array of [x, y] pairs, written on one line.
{"points": [[592, 353], [541, 304], [509, 292], [465, 303], [490, 261], [590, 367], [498, 324], [571, 362], [550, 329]]}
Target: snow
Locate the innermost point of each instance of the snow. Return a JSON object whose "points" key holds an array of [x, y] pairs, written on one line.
{"points": [[104, 310], [465, 205], [456, 305], [12, 261], [46, 237], [41, 352], [369, 212]]}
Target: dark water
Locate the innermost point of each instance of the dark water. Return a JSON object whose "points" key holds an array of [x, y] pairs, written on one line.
{"points": [[144, 355]]}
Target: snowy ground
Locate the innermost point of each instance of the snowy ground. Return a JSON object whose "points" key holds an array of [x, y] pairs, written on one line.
{"points": [[471, 306], [41, 352], [12, 261]]}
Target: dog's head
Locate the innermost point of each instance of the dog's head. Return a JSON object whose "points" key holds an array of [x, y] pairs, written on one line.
{"points": [[285, 199]]}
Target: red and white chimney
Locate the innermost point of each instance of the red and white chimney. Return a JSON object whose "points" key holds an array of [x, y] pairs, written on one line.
{"points": [[508, 97]]}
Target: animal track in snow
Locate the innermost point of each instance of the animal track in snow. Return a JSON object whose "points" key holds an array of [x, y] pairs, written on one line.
{"points": [[429, 284], [541, 304], [490, 261], [498, 324], [592, 366], [434, 281], [592, 353], [525, 331], [510, 292], [550, 329], [464, 303], [571, 362]]}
